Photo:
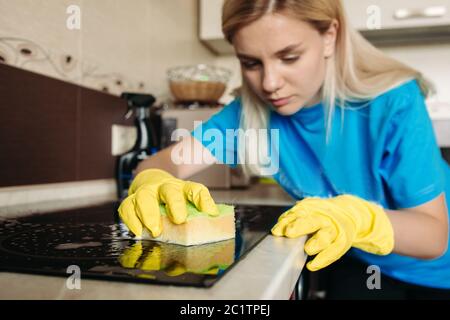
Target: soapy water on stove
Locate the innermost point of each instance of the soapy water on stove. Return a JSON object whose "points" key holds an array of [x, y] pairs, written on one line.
{"points": [[86, 241], [69, 246]]}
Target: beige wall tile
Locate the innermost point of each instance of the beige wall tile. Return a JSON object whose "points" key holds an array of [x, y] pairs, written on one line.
{"points": [[131, 41]]}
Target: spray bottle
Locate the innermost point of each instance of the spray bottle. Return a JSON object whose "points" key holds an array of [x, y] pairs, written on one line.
{"points": [[146, 142]]}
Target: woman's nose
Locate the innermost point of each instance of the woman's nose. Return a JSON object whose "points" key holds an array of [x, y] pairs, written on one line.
{"points": [[272, 80]]}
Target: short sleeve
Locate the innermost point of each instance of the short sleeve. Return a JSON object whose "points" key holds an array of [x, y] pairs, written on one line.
{"points": [[411, 167], [218, 134]]}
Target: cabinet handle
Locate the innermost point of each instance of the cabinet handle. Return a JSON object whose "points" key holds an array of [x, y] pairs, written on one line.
{"points": [[429, 12]]}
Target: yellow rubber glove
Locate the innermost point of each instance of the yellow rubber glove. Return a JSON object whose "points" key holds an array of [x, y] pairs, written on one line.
{"points": [[338, 224], [152, 187]]}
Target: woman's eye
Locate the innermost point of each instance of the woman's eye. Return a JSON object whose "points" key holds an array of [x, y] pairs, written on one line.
{"points": [[250, 64], [290, 59]]}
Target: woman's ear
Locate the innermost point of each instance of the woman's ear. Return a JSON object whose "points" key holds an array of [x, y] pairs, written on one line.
{"points": [[329, 38]]}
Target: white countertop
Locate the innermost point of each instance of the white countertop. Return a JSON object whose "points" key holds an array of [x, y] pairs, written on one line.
{"points": [[269, 271]]}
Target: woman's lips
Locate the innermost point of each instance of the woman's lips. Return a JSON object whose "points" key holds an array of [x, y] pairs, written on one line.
{"points": [[280, 102]]}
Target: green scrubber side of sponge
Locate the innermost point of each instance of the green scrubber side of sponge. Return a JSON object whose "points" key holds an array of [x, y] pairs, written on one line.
{"points": [[224, 209]]}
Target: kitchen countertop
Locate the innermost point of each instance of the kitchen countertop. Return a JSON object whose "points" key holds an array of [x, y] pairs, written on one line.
{"points": [[259, 194], [269, 271]]}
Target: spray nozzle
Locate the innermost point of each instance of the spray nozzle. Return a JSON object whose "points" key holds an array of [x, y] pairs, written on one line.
{"points": [[137, 100]]}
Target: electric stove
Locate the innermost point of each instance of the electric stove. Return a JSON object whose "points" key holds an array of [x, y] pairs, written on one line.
{"points": [[96, 241]]}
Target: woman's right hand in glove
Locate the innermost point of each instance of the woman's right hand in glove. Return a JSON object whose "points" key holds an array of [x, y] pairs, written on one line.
{"points": [[153, 187]]}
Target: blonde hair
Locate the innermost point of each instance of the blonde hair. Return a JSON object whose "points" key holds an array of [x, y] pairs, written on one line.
{"points": [[356, 72]]}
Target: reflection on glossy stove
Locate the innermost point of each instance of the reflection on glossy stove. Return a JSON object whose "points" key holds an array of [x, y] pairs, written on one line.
{"points": [[93, 239]]}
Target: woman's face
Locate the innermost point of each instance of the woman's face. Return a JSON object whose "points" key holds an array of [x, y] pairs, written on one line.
{"points": [[283, 60]]}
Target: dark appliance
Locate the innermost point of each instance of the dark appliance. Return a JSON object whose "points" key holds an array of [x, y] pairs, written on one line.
{"points": [[147, 142]]}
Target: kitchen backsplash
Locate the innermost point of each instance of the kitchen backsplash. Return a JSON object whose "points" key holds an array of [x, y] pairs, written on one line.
{"points": [[29, 55], [120, 45]]}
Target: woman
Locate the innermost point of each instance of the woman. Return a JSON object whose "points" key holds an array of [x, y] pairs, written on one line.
{"points": [[355, 146]]}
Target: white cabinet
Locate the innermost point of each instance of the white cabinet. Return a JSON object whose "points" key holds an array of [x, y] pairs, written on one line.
{"points": [[210, 30], [397, 14], [210, 17]]}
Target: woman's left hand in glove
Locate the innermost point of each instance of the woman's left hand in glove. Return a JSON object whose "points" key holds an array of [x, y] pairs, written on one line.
{"points": [[336, 225]]}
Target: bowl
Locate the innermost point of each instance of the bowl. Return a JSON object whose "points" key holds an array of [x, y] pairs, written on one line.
{"points": [[198, 83]]}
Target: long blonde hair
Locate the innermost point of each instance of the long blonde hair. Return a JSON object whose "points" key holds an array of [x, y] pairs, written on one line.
{"points": [[356, 72]]}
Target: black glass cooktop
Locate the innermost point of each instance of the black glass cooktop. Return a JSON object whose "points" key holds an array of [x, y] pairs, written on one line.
{"points": [[95, 241]]}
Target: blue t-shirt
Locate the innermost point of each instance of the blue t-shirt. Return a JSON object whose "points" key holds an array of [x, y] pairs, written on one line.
{"points": [[383, 150]]}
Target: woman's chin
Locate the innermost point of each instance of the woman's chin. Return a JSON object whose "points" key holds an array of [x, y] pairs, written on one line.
{"points": [[287, 110]]}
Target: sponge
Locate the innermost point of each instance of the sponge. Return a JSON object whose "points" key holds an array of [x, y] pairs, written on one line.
{"points": [[199, 228]]}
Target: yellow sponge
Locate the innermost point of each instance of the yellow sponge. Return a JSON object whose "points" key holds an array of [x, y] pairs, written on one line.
{"points": [[200, 228]]}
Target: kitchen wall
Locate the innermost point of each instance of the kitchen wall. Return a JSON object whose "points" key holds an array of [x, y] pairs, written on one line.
{"points": [[60, 148], [232, 63], [120, 44], [431, 59]]}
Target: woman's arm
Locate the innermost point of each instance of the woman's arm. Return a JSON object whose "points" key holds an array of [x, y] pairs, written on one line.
{"points": [[422, 231], [167, 159]]}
